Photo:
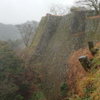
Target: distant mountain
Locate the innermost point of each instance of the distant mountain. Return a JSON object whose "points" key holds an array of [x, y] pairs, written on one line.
{"points": [[10, 31], [31, 22]]}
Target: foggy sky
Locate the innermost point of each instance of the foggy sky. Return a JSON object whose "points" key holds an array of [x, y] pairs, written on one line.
{"points": [[20, 11]]}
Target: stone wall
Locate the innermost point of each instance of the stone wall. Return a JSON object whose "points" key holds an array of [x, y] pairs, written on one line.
{"points": [[62, 36], [92, 29]]}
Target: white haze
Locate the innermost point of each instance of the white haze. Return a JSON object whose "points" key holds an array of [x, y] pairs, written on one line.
{"points": [[20, 11]]}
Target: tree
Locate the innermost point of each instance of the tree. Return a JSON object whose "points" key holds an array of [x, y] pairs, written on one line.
{"points": [[16, 45], [26, 30], [10, 66], [93, 4], [58, 9], [16, 81], [74, 8]]}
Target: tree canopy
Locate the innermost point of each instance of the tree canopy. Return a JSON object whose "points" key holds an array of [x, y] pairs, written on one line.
{"points": [[93, 4]]}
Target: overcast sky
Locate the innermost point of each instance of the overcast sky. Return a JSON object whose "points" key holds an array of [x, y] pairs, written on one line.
{"points": [[20, 11]]}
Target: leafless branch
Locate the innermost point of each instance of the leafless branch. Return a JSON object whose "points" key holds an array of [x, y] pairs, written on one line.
{"points": [[26, 30]]}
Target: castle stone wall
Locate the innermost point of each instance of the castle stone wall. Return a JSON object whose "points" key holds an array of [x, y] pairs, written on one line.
{"points": [[62, 36]]}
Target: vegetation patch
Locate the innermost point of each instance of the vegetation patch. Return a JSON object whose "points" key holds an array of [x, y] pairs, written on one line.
{"points": [[16, 81], [87, 87]]}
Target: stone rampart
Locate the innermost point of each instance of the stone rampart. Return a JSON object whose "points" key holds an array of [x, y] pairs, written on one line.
{"points": [[62, 36]]}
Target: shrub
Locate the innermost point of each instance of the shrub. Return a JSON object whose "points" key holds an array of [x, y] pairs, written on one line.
{"points": [[38, 96], [19, 97], [63, 89]]}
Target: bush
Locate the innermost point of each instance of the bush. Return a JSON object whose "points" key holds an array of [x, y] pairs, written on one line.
{"points": [[19, 97], [38, 96], [73, 8], [63, 89]]}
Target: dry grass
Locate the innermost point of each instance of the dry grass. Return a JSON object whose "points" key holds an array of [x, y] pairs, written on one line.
{"points": [[80, 80], [76, 72]]}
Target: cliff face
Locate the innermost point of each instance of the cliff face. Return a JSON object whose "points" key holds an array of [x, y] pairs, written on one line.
{"points": [[56, 39]]}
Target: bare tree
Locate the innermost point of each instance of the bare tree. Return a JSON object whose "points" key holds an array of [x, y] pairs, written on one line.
{"points": [[27, 30], [58, 9], [94, 4]]}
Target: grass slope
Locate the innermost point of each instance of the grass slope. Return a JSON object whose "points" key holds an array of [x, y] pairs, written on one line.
{"points": [[88, 86]]}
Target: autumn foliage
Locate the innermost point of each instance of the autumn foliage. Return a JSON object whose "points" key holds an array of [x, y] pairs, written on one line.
{"points": [[76, 72]]}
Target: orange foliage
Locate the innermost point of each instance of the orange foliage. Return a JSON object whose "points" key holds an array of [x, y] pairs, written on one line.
{"points": [[93, 17], [98, 44], [76, 73]]}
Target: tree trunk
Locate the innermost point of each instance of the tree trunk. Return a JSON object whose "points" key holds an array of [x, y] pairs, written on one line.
{"points": [[85, 62], [92, 49]]}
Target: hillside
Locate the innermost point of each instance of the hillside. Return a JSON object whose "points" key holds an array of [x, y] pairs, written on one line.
{"points": [[16, 81], [56, 39], [8, 32], [11, 32], [86, 86]]}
